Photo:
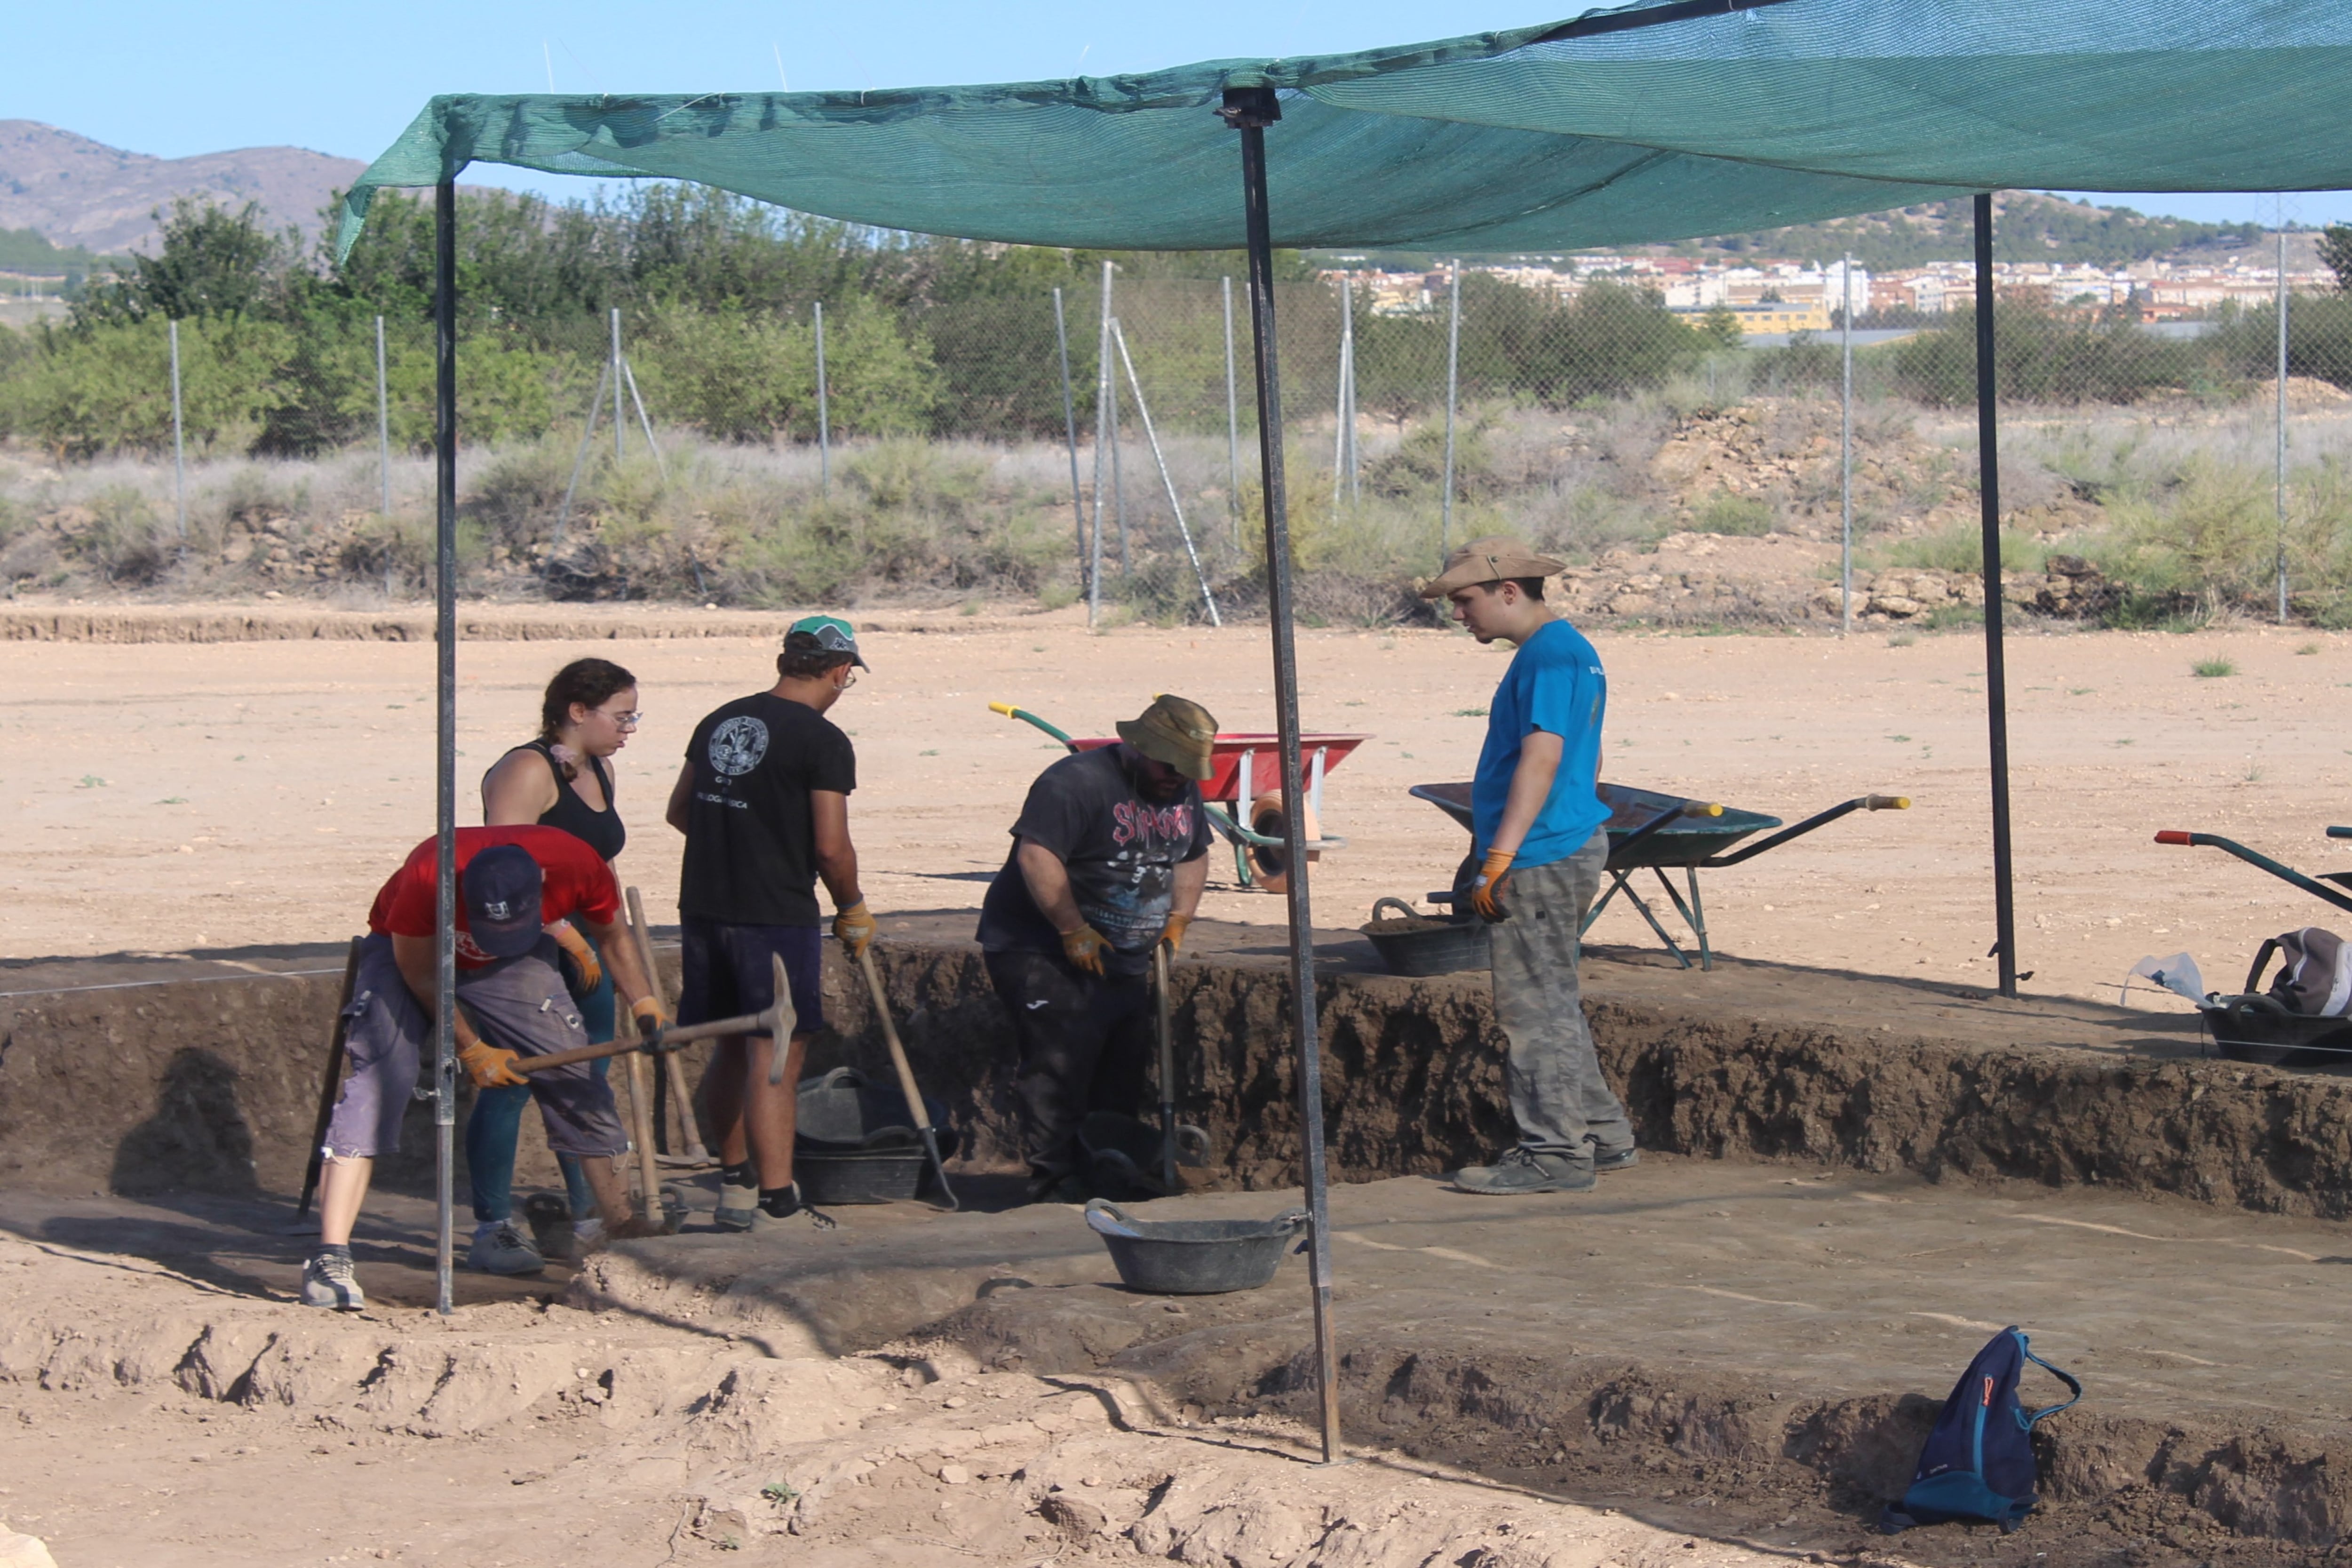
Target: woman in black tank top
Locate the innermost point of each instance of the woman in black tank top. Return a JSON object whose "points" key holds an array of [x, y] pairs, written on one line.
{"points": [[563, 779]]}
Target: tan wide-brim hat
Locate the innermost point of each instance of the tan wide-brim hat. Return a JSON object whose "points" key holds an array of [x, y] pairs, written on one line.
{"points": [[1174, 730], [1490, 560]]}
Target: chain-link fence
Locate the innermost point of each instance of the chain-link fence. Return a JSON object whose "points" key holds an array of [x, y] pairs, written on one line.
{"points": [[1001, 443]]}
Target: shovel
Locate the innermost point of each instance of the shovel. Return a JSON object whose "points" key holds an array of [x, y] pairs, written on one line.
{"points": [[915, 1107], [1167, 1073], [695, 1154]]}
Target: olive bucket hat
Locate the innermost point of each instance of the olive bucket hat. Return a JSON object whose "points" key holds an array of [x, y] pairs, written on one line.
{"points": [[1174, 730], [1490, 560]]}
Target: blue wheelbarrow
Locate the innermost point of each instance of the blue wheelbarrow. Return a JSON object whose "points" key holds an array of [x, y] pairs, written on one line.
{"points": [[1661, 831]]}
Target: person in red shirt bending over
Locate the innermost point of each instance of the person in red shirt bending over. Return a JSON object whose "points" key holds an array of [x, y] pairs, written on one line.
{"points": [[512, 883]]}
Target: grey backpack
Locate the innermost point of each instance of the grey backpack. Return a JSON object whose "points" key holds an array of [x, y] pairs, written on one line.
{"points": [[2314, 977]]}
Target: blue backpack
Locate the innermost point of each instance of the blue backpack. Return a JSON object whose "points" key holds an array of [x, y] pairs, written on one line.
{"points": [[1979, 1461]]}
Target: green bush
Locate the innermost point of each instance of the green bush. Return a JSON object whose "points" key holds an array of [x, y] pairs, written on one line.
{"points": [[109, 387], [1736, 515], [2041, 357]]}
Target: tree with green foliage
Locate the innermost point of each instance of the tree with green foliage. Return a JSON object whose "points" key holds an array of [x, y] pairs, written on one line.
{"points": [[209, 262]]}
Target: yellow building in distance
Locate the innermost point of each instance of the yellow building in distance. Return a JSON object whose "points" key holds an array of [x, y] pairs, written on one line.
{"points": [[1793, 316]]}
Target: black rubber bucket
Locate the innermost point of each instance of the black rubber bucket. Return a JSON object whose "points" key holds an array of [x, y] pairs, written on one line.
{"points": [[2255, 1029], [1194, 1256], [866, 1176], [855, 1143], [1412, 943]]}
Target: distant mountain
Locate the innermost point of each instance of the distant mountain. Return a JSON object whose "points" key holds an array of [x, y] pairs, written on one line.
{"points": [[79, 193], [2028, 226]]}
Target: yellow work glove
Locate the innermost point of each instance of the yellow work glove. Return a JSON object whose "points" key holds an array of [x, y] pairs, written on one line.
{"points": [[1085, 948], [590, 971], [489, 1066], [1172, 935], [1493, 881], [853, 929], [648, 1011]]}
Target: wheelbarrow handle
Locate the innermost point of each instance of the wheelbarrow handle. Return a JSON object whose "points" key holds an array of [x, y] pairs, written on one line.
{"points": [[2339, 833], [1819, 819], [2259, 862], [1010, 712]]}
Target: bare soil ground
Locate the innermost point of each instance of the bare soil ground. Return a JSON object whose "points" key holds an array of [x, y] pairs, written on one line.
{"points": [[525, 1431], [206, 794]]}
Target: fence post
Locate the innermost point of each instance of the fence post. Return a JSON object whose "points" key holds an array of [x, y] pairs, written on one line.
{"points": [[1347, 383], [179, 441], [382, 421], [1232, 423], [1845, 455], [1102, 454], [1143, 410], [620, 418], [2281, 481], [1453, 396], [823, 410], [1070, 426]]}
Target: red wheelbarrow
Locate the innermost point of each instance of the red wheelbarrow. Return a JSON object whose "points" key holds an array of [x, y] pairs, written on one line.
{"points": [[1244, 792]]}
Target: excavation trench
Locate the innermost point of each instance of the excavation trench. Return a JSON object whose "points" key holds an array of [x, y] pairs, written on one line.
{"points": [[1850, 1182]]}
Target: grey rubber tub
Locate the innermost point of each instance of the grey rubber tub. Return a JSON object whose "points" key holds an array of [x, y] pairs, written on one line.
{"points": [[1194, 1256]]}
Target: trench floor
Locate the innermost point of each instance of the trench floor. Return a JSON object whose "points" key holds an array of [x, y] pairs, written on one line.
{"points": [[1820, 1282]]}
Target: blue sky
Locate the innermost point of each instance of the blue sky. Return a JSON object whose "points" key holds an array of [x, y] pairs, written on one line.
{"points": [[177, 78]]}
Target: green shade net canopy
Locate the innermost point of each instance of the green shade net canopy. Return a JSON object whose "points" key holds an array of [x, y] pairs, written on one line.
{"points": [[1627, 124]]}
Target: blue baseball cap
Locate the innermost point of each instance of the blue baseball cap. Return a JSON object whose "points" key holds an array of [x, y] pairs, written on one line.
{"points": [[500, 890]]}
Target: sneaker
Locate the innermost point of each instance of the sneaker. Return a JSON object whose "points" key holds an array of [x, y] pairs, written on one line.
{"points": [[787, 1207], [329, 1280], [1524, 1171], [499, 1247], [739, 1208], [1607, 1160]]}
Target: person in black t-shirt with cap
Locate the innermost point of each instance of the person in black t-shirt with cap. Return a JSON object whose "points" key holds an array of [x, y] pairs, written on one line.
{"points": [[1109, 860], [763, 800]]}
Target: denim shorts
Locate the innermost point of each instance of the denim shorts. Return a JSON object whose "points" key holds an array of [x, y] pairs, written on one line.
{"points": [[726, 971]]}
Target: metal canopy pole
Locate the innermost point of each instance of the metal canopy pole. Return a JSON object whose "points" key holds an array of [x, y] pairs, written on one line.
{"points": [[1250, 109], [2004, 905], [444, 760], [1070, 426], [1232, 423]]}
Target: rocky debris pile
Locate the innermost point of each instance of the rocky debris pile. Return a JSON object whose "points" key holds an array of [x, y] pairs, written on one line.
{"points": [[1699, 579]]}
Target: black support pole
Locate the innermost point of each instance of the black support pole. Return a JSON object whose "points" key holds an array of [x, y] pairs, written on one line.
{"points": [[2004, 903], [1250, 110], [444, 760]]}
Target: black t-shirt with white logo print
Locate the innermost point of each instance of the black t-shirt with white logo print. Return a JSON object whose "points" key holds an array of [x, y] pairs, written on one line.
{"points": [[751, 842], [1121, 848]]}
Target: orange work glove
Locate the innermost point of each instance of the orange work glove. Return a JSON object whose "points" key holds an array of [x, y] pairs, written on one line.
{"points": [[648, 1011], [1085, 948], [1493, 881], [1172, 935], [489, 1067], [853, 929], [591, 972]]}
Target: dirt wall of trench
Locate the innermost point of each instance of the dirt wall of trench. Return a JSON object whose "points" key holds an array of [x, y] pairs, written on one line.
{"points": [[213, 1084]]}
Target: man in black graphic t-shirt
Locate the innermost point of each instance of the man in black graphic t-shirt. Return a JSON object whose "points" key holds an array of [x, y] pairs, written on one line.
{"points": [[763, 800], [1109, 860]]}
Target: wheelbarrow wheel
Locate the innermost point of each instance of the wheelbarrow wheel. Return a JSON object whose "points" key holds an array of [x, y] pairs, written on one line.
{"points": [[1270, 864]]}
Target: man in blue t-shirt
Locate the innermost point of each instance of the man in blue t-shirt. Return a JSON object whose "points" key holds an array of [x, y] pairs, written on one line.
{"points": [[1538, 832]]}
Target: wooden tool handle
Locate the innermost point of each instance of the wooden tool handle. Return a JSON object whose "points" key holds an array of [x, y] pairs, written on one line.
{"points": [[898, 1051]]}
